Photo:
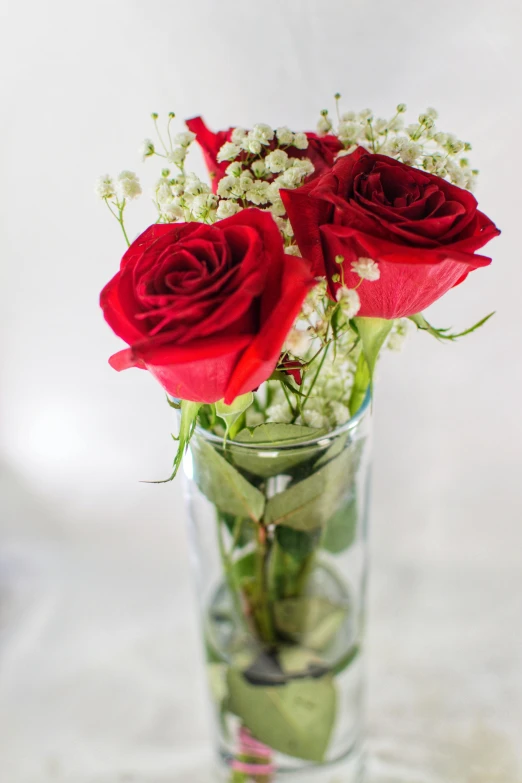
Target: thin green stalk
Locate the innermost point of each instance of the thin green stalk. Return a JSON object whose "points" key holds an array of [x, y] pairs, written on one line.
{"points": [[316, 376], [229, 574], [262, 598]]}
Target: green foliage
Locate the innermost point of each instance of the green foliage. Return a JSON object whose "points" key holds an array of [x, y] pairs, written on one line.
{"points": [[189, 413], [373, 332], [296, 718], [223, 485], [445, 334], [232, 414], [341, 528], [242, 529], [310, 621], [297, 543], [308, 504], [361, 382], [267, 464]]}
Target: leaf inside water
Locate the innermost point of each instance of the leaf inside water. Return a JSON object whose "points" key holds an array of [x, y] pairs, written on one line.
{"points": [[272, 463], [341, 528], [296, 719], [221, 483], [310, 621], [309, 504]]}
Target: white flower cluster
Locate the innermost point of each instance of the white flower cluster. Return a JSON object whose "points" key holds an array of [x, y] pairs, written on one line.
{"points": [[259, 166], [185, 197], [397, 335], [419, 144], [261, 136], [126, 188]]}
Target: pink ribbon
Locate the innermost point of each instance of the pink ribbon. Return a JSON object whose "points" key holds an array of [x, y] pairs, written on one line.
{"points": [[248, 746]]}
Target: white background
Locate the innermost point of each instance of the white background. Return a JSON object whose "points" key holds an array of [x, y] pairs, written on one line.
{"points": [[98, 636]]}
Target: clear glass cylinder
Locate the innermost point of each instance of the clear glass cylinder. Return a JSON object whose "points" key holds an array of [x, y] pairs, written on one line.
{"points": [[279, 537]]}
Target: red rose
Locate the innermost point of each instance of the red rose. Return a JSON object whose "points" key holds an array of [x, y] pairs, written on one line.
{"points": [[206, 309], [321, 150], [210, 143], [422, 231]]}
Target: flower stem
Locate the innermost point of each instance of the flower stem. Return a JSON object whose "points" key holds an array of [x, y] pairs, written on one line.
{"points": [[316, 376]]}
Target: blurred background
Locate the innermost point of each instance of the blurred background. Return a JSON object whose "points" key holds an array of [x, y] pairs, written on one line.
{"points": [[100, 665]]}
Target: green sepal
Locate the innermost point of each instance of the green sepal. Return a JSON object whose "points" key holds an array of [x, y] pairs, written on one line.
{"points": [[445, 334], [231, 414], [373, 332], [189, 412], [361, 381]]}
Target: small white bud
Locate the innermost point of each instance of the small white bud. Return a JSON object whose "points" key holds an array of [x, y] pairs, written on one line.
{"points": [[104, 187], [147, 149], [340, 413], [177, 156], [259, 168], [303, 164], [235, 169], [227, 209], [238, 134], [276, 161], [251, 144], [171, 210], [262, 133], [300, 141], [297, 342], [324, 125], [229, 186], [228, 151], [257, 192], [202, 205], [277, 208], [410, 153], [284, 135], [292, 177], [366, 268], [314, 419], [349, 301], [128, 185], [184, 139], [279, 413]]}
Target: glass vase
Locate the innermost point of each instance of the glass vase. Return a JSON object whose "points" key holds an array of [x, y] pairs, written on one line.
{"points": [[279, 537]]}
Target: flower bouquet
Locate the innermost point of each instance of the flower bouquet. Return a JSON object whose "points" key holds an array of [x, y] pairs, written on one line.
{"points": [[261, 302]]}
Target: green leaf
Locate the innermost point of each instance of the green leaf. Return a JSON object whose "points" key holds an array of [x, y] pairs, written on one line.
{"points": [[189, 412], [347, 659], [278, 434], [221, 483], [310, 621], [298, 661], [245, 567], [297, 543], [268, 463], [309, 504], [242, 529], [444, 334], [373, 332], [296, 719], [341, 529]]}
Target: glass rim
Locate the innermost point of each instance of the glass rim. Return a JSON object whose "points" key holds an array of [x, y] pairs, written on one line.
{"points": [[351, 424]]}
